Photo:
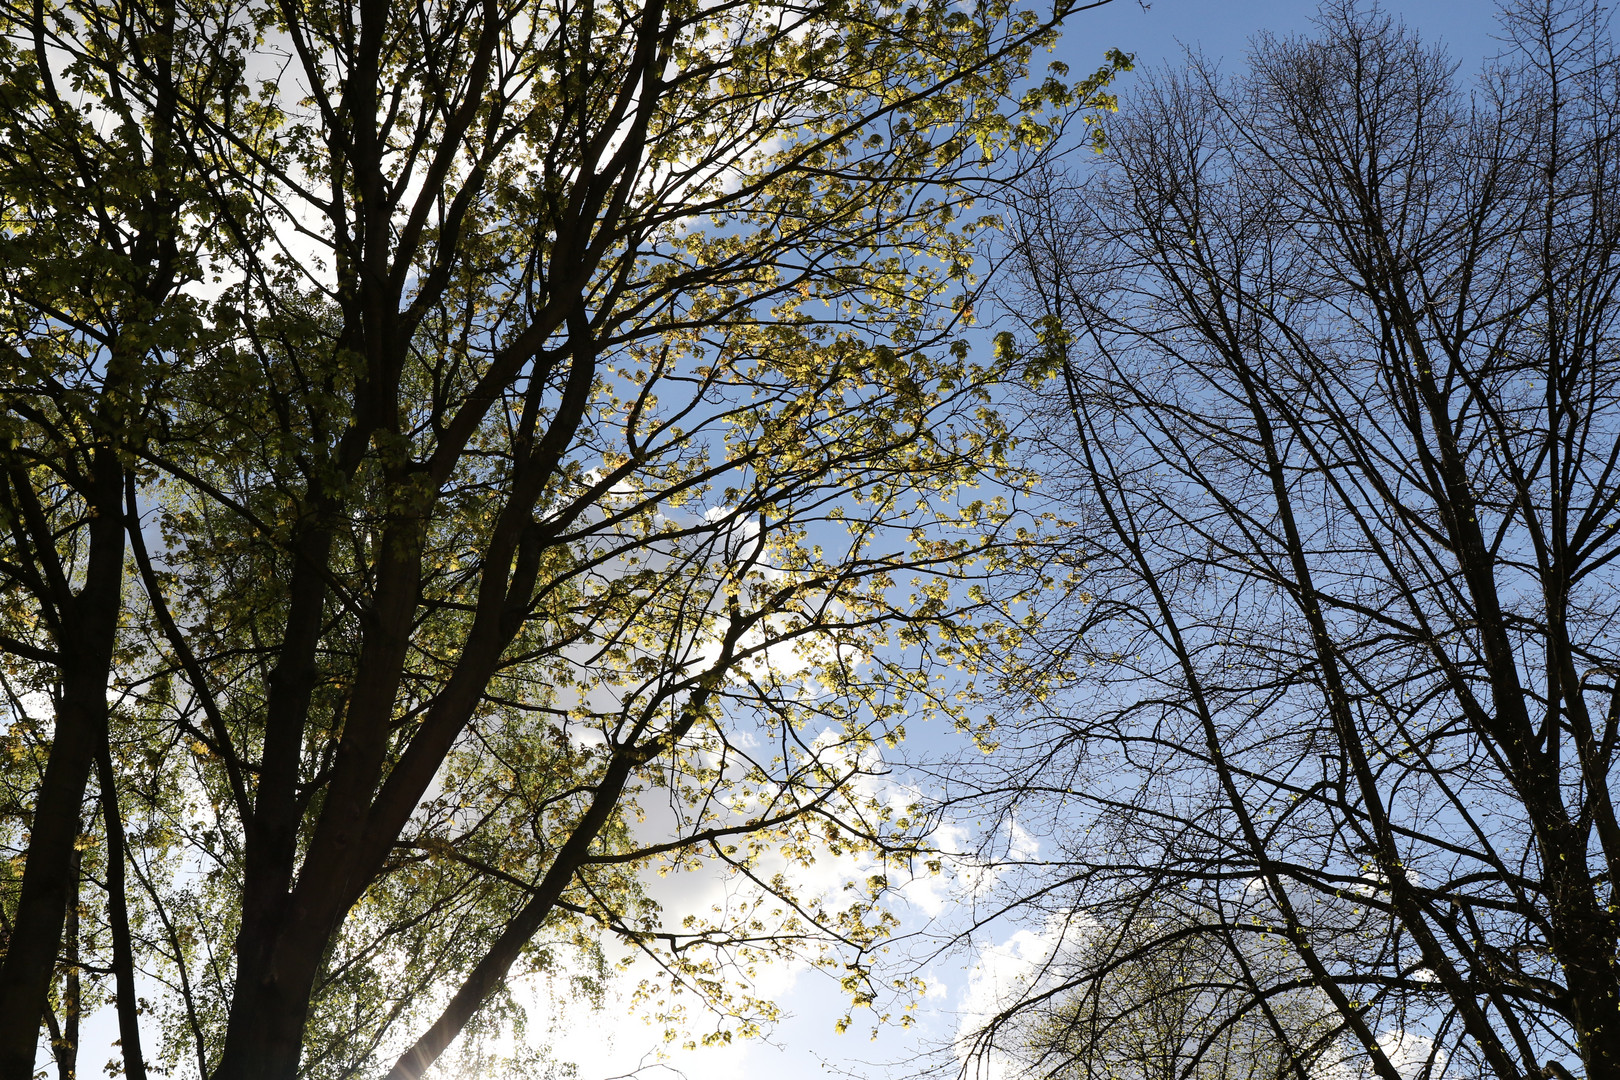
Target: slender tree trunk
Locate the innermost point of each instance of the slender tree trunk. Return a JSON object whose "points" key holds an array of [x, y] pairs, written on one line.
{"points": [[67, 1048], [129, 1028]]}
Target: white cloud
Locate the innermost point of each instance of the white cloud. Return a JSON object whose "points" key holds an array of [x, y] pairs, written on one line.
{"points": [[1004, 973], [1409, 1052]]}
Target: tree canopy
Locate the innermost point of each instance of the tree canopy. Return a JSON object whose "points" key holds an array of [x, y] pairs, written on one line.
{"points": [[458, 457]]}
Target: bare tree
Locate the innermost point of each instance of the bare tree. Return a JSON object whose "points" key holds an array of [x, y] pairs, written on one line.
{"points": [[1335, 424]]}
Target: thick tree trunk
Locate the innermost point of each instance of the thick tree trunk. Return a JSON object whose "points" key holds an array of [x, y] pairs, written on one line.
{"points": [[269, 1009], [264, 1032], [49, 877], [47, 883]]}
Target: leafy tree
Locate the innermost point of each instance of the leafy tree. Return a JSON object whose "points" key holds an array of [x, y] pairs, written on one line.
{"points": [[1335, 427], [458, 457], [1154, 996]]}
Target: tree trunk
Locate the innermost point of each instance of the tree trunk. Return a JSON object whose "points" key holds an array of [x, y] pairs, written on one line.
{"points": [[49, 871]]}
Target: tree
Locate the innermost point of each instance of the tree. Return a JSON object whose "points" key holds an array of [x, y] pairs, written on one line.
{"points": [[438, 434], [1334, 427], [1151, 996]]}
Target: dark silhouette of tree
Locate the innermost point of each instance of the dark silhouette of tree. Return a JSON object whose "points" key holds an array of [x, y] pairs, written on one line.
{"points": [[1334, 426]]}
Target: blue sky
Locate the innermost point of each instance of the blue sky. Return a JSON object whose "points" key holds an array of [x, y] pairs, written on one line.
{"points": [[1222, 28]]}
